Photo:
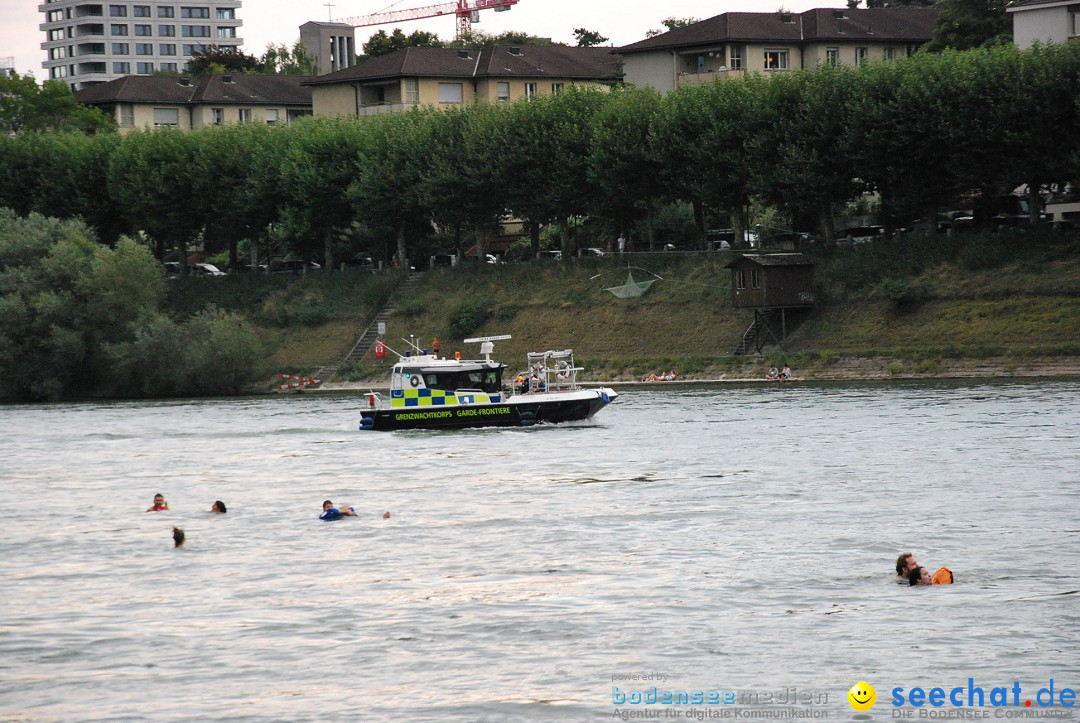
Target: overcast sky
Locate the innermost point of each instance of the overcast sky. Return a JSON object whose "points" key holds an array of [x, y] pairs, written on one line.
{"points": [[278, 21]]}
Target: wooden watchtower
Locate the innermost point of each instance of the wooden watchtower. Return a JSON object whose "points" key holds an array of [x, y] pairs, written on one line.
{"points": [[772, 285]]}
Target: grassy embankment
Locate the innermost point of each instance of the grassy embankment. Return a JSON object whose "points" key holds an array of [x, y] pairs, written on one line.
{"points": [[978, 305]]}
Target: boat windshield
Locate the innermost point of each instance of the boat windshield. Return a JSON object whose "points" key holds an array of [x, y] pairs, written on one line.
{"points": [[487, 380]]}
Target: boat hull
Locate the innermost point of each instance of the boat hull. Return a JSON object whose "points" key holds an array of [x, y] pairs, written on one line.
{"points": [[522, 410]]}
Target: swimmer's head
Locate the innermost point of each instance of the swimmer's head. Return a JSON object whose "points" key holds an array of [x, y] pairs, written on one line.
{"points": [[218, 507], [327, 504], [178, 537]]}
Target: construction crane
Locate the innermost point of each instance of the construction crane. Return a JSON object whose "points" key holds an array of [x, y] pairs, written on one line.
{"points": [[467, 12]]}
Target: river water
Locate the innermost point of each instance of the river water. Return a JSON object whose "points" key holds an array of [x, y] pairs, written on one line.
{"points": [[693, 538]]}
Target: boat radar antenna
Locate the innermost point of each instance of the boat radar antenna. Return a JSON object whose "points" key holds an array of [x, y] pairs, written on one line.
{"points": [[486, 347]]}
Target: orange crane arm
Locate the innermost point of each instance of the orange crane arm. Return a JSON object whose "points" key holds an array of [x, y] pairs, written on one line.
{"points": [[428, 11]]}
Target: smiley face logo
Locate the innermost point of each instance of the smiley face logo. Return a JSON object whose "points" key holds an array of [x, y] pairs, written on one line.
{"points": [[862, 696]]}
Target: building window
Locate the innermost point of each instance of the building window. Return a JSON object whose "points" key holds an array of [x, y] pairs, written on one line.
{"points": [[740, 279], [166, 31], [755, 278], [55, 16], [120, 48], [57, 34], [141, 11], [118, 30], [1074, 23], [832, 56], [127, 115], [59, 72], [776, 60], [144, 48], [271, 116], [502, 92], [412, 90], [556, 88], [890, 54], [530, 90], [861, 54], [736, 57], [226, 32], [171, 67], [195, 31], [144, 31], [123, 68], [166, 12], [245, 115], [451, 93], [195, 13], [166, 117], [167, 49], [217, 116], [117, 11], [226, 14], [144, 68]]}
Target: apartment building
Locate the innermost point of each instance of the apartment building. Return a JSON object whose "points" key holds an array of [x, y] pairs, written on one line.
{"points": [[456, 77], [95, 42], [733, 44]]}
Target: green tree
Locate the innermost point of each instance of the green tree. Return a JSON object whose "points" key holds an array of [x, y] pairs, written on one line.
{"points": [[387, 192], [63, 299], [25, 106], [480, 39], [381, 43], [805, 164], [671, 24], [216, 60], [320, 163], [152, 176], [588, 38], [281, 60], [966, 24], [624, 163]]}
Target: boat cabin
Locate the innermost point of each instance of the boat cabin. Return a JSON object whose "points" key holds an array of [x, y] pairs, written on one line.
{"points": [[427, 372]]}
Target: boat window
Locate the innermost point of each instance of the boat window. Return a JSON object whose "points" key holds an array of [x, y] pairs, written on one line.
{"points": [[431, 381]]}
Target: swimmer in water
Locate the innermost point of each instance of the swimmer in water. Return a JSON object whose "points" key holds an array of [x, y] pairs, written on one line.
{"points": [[330, 512], [159, 504], [919, 576], [218, 508], [178, 537]]}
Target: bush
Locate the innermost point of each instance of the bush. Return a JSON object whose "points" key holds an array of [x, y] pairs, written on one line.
{"points": [[466, 318]]}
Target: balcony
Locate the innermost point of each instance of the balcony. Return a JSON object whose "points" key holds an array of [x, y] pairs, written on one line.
{"points": [[379, 108], [92, 31], [92, 49], [709, 76], [89, 11]]}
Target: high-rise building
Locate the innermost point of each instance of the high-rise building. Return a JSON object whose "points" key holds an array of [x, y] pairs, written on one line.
{"points": [[94, 42]]}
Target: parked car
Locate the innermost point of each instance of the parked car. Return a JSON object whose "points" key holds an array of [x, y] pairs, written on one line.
{"points": [[593, 251], [442, 260], [860, 234], [551, 255], [205, 270], [293, 266]]}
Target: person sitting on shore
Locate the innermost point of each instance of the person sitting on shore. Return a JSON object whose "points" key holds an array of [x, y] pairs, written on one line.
{"points": [[786, 373], [774, 373], [159, 505]]}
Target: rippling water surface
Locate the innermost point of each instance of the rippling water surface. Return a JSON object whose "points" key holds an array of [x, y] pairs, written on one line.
{"points": [[728, 538]]}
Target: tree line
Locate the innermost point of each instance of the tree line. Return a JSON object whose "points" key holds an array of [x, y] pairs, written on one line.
{"points": [[922, 133]]}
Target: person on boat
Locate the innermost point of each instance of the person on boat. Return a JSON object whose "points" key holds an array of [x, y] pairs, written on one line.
{"points": [[774, 373], [331, 513], [159, 504], [436, 347], [218, 508]]}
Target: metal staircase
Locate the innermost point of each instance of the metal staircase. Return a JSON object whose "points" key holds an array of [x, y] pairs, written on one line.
{"points": [[369, 335]]}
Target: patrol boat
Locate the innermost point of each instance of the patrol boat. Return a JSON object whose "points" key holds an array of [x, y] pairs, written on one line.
{"points": [[429, 392]]}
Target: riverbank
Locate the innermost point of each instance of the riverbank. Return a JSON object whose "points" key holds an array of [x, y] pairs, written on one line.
{"points": [[838, 369]]}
